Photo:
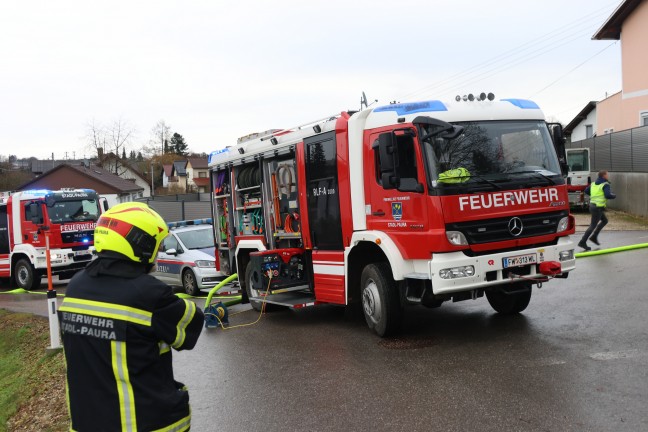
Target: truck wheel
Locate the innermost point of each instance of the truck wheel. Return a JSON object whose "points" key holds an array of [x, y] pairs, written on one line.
{"points": [[380, 300], [250, 276], [189, 283], [26, 276], [510, 300]]}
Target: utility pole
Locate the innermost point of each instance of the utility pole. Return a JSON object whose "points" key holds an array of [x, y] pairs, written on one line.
{"points": [[152, 183]]}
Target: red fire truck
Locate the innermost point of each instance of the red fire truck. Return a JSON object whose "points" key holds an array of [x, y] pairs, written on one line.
{"points": [[68, 215], [404, 204]]}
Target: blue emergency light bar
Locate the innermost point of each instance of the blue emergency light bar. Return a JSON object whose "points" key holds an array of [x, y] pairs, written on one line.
{"points": [[215, 153], [178, 224]]}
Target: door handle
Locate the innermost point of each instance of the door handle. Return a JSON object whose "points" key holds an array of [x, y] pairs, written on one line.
{"points": [[378, 213]]}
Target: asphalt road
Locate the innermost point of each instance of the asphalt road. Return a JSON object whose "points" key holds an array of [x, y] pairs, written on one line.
{"points": [[575, 360]]}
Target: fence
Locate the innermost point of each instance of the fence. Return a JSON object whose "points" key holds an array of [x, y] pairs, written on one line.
{"points": [[624, 151], [177, 210], [205, 196]]}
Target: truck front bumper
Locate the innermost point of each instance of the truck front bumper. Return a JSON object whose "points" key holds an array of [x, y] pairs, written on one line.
{"points": [[489, 270], [65, 259]]}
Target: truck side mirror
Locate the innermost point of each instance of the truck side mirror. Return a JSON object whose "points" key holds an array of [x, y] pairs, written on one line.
{"points": [[559, 145], [388, 160], [35, 218]]}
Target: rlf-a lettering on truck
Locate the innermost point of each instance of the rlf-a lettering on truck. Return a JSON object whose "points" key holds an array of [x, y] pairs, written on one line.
{"points": [[404, 204]]}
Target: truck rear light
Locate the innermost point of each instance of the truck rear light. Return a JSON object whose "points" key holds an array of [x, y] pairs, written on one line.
{"points": [[456, 238], [563, 224], [550, 268]]}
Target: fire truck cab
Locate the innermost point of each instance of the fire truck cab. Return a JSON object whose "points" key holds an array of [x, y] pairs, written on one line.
{"points": [[404, 204], [68, 217]]}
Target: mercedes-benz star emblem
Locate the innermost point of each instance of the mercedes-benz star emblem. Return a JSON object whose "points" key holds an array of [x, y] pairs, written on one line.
{"points": [[515, 226]]}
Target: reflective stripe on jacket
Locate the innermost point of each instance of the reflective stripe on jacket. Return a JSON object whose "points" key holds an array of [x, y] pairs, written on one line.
{"points": [[116, 333], [597, 195]]}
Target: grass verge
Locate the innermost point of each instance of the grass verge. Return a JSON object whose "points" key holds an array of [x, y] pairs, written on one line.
{"points": [[32, 379]]}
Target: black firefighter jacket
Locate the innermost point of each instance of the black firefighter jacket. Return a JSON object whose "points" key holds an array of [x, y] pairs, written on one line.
{"points": [[118, 324]]}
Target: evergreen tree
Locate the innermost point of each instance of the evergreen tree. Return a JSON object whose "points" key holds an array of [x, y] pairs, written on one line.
{"points": [[123, 154], [178, 145]]}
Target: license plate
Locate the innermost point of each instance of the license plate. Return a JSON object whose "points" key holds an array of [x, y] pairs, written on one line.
{"points": [[82, 252], [520, 260]]}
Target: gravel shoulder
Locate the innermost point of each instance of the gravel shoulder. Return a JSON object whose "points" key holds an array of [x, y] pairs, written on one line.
{"points": [[618, 221]]}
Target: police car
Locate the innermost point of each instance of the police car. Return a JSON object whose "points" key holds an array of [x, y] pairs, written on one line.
{"points": [[186, 258]]}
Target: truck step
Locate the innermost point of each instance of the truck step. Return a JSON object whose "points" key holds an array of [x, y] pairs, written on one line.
{"points": [[294, 300], [290, 289]]}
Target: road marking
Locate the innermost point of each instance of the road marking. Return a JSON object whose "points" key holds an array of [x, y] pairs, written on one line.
{"points": [[551, 362], [615, 355]]}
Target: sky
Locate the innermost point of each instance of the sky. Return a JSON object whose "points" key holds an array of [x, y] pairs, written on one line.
{"points": [[215, 71]]}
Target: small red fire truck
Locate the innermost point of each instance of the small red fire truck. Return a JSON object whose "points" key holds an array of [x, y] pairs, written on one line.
{"points": [[68, 215], [403, 204]]}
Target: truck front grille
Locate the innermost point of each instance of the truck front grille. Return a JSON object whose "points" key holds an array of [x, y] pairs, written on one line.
{"points": [[77, 237], [494, 230]]}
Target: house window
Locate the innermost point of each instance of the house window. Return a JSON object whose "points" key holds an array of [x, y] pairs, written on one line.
{"points": [[203, 174], [643, 118], [589, 131]]}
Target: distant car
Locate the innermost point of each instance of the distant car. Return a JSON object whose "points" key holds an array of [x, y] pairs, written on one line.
{"points": [[186, 259]]}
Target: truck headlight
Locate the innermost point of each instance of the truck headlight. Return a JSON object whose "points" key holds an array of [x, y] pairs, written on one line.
{"points": [[456, 238], [55, 256], [457, 272], [563, 224], [205, 263], [566, 255]]}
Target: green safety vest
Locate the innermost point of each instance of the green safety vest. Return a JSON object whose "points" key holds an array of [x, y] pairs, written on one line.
{"points": [[597, 195], [457, 175]]}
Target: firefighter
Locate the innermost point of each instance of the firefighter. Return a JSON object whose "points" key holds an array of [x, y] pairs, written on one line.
{"points": [[118, 326], [599, 193]]}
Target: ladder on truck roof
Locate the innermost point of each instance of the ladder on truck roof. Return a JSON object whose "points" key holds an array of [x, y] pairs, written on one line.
{"points": [[264, 136]]}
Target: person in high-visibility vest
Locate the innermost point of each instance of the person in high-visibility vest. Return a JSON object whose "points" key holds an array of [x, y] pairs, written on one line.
{"points": [[599, 192], [118, 325]]}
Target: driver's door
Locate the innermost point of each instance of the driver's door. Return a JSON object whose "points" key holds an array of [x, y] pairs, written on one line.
{"points": [[389, 210], [168, 266]]}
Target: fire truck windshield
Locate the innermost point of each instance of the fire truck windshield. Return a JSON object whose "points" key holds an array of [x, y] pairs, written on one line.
{"points": [[491, 155], [74, 211]]}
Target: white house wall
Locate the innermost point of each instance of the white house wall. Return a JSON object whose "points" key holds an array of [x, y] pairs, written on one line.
{"points": [[578, 133]]}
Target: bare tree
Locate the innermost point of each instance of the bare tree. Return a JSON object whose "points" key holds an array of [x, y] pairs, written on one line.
{"points": [[120, 135], [114, 137], [161, 134], [95, 137]]}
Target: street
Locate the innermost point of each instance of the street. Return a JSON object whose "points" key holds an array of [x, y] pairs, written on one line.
{"points": [[574, 360]]}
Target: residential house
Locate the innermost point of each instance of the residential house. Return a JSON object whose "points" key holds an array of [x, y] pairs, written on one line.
{"points": [[582, 126], [197, 174], [116, 165], [114, 188], [628, 108], [179, 170], [40, 166], [167, 175]]}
